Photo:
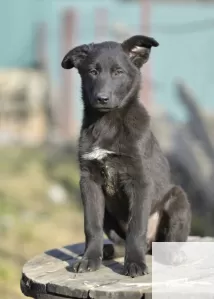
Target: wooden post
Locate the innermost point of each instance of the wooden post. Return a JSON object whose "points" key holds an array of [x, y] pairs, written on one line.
{"points": [[41, 50], [145, 17], [66, 111], [42, 60], [101, 24]]}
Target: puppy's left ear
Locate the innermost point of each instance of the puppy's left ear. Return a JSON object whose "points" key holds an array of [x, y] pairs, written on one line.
{"points": [[76, 56], [138, 48]]}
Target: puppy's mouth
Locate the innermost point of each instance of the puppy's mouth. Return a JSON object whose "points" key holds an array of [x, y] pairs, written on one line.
{"points": [[102, 109], [105, 109]]}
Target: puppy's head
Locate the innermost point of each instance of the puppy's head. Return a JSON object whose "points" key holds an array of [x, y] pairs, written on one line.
{"points": [[110, 71]]}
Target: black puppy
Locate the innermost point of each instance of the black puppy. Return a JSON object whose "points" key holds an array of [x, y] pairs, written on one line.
{"points": [[125, 179]]}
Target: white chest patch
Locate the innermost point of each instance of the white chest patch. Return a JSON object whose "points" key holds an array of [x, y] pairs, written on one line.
{"points": [[97, 154]]}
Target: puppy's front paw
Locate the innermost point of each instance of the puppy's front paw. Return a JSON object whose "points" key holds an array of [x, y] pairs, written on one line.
{"points": [[86, 265], [135, 269]]}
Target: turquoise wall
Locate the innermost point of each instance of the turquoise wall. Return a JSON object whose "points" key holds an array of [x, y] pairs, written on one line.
{"points": [[18, 20], [184, 54]]}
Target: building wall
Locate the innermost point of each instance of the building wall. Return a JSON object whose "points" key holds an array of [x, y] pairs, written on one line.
{"points": [[18, 20], [185, 52], [186, 45], [186, 48]]}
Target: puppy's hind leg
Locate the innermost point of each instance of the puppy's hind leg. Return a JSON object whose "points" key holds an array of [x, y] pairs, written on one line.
{"points": [[175, 220], [116, 235]]}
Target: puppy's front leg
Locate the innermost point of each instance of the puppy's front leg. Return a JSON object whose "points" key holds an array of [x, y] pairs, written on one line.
{"points": [[93, 202], [140, 204]]}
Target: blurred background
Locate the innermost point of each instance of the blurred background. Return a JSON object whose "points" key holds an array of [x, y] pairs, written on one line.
{"points": [[41, 112]]}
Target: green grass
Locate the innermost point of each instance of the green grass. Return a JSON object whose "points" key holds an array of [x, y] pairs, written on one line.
{"points": [[29, 220]]}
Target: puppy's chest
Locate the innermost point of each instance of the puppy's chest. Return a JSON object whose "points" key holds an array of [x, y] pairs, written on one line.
{"points": [[106, 165]]}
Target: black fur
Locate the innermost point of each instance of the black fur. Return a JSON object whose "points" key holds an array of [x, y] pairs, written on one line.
{"points": [[122, 190]]}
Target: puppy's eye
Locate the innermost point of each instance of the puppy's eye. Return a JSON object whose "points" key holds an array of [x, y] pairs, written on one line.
{"points": [[93, 72], [117, 72]]}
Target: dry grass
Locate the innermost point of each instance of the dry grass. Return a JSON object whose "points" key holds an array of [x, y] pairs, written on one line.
{"points": [[29, 221]]}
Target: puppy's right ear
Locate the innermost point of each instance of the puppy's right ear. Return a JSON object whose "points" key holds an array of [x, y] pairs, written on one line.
{"points": [[75, 57], [138, 47]]}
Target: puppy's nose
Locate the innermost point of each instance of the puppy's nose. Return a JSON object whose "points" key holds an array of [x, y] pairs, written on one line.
{"points": [[102, 99]]}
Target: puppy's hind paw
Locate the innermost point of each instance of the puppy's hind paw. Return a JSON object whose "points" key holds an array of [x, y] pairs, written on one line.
{"points": [[108, 252]]}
